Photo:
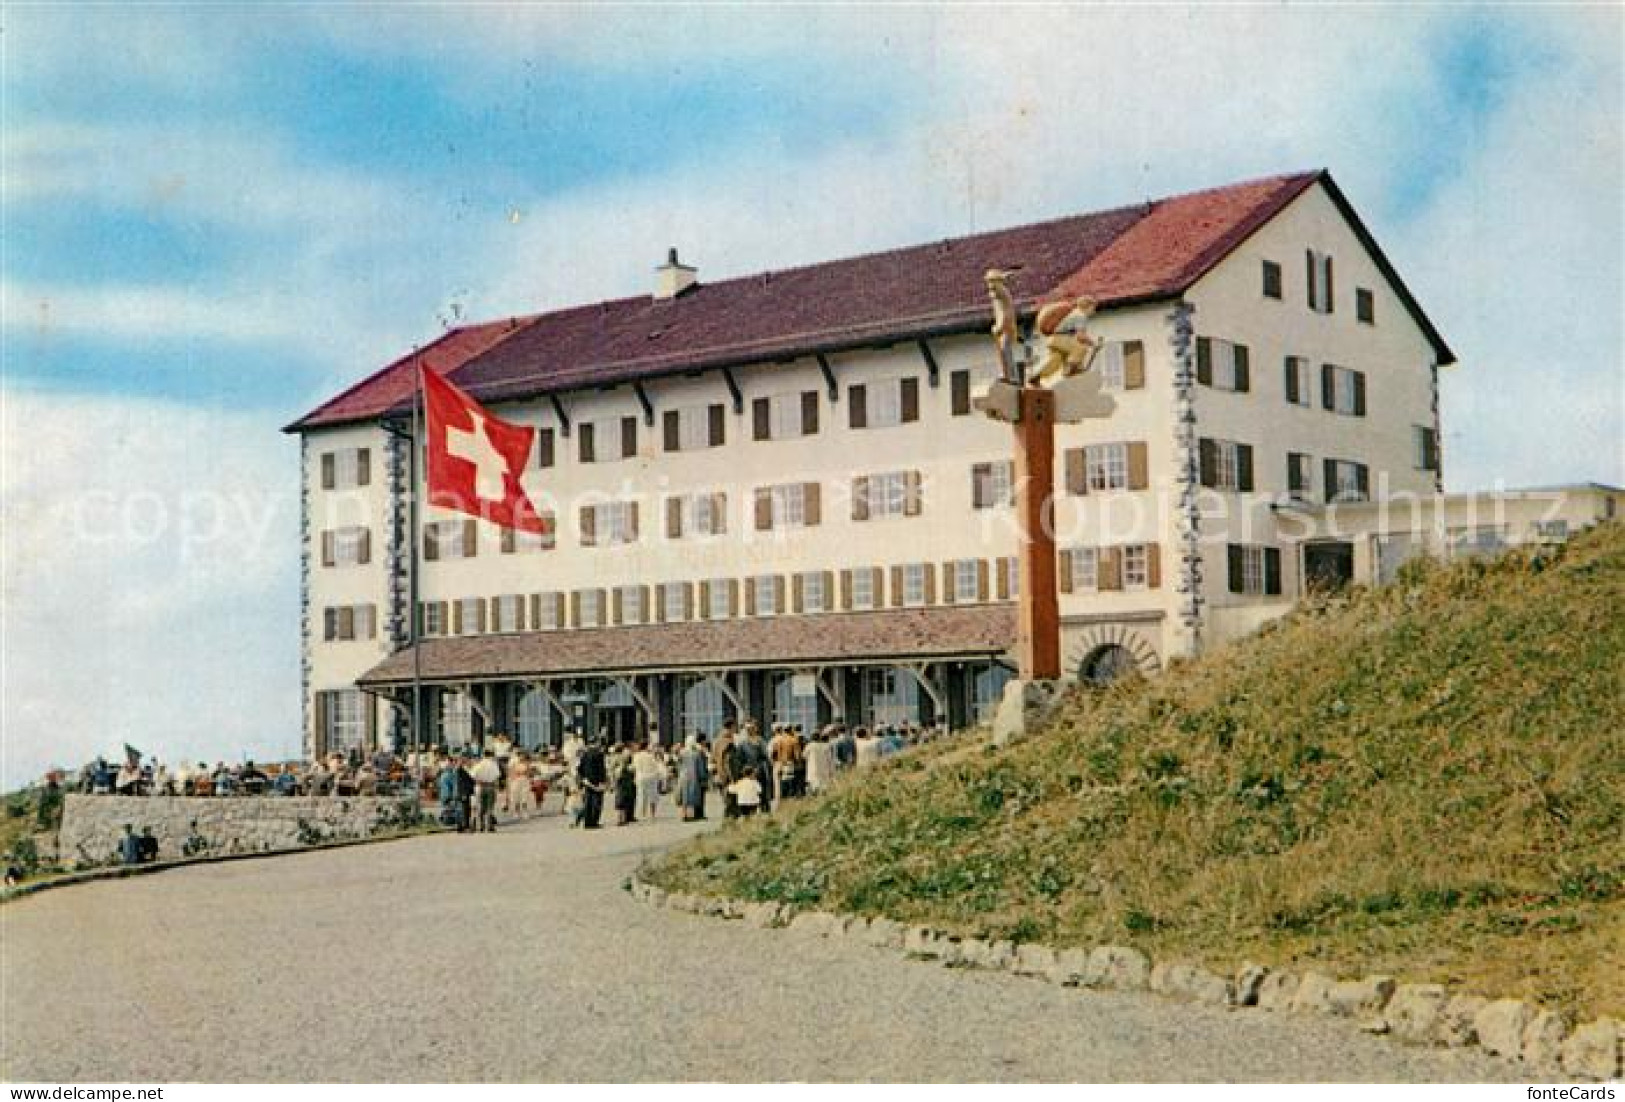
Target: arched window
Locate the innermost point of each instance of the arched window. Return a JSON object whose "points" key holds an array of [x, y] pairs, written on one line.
{"points": [[1106, 664], [537, 722]]}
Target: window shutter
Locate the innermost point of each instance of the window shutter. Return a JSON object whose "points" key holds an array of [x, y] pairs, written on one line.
{"points": [[1109, 575], [809, 412], [860, 498], [363, 466], [877, 581], [1204, 361], [959, 393], [1313, 283], [1244, 468], [544, 448], [909, 399], [584, 434], [328, 557], [981, 579], [1327, 295], [1294, 472], [1359, 394], [1063, 572], [764, 508], [716, 425], [457, 617], [369, 619], [575, 608], [535, 609], [1237, 578], [632, 519], [1153, 565], [1134, 365], [719, 514], [911, 494], [1272, 557], [812, 505], [705, 599], [1207, 461], [1330, 470], [629, 436], [930, 582], [431, 542], [319, 735], [346, 623], [778, 594], [1430, 448], [733, 596], [1139, 465], [328, 479], [948, 583], [1362, 476], [330, 624], [471, 538], [797, 586], [1243, 368], [617, 606], [897, 587], [1290, 378], [829, 589], [981, 485], [761, 418], [507, 541], [480, 619], [657, 614], [364, 552], [688, 601], [589, 526], [1077, 471], [671, 423], [1328, 386], [846, 590], [674, 518], [1003, 586], [857, 406]]}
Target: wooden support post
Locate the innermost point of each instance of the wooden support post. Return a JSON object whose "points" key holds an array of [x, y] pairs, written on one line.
{"points": [[1038, 638]]}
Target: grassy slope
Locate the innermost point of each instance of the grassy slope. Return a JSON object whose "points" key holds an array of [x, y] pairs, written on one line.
{"points": [[1427, 779]]}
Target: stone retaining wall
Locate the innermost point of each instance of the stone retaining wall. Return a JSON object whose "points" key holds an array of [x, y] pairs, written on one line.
{"points": [[199, 827]]}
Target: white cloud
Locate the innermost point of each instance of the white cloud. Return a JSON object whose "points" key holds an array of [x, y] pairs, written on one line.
{"points": [[150, 582]]}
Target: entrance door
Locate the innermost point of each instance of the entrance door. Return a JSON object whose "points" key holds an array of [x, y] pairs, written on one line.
{"points": [[1328, 565]]}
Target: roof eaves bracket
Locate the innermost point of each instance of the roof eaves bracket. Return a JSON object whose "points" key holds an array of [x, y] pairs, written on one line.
{"points": [[933, 373], [648, 406], [829, 377], [733, 389], [558, 411]]}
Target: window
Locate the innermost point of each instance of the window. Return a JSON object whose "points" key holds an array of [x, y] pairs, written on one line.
{"points": [[347, 547], [1010, 577], [894, 696], [449, 539], [607, 439], [694, 428], [795, 700], [1472, 542], [344, 623], [1319, 287], [515, 540], [536, 723], [959, 393], [719, 599], [814, 591], [456, 719], [345, 728], [696, 515], [1085, 567], [346, 468], [788, 505], [863, 589], [1223, 365], [883, 404], [1106, 466], [893, 494], [965, 582], [674, 602], [609, 523], [547, 611], [1555, 531], [785, 416], [1300, 475], [1346, 481], [1121, 365], [507, 612], [630, 604], [1342, 390], [589, 608], [468, 616], [1272, 279], [1225, 465], [767, 595], [1299, 389], [1365, 306], [1425, 448], [704, 709], [915, 586], [992, 484], [546, 449], [1254, 570], [1136, 566], [432, 615]]}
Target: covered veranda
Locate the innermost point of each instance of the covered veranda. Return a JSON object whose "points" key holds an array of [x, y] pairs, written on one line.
{"points": [[927, 666]]}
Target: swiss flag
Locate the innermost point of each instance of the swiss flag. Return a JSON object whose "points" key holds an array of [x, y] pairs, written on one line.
{"points": [[475, 459]]}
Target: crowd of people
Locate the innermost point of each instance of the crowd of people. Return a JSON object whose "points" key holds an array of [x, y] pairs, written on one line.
{"points": [[748, 772]]}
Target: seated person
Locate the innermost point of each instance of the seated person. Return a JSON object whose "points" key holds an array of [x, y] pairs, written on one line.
{"points": [[286, 782]]}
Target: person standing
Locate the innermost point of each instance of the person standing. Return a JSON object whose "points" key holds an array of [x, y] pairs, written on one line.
{"points": [[593, 774], [487, 777], [846, 749], [521, 799], [626, 787], [648, 771], [785, 753], [820, 762], [693, 774]]}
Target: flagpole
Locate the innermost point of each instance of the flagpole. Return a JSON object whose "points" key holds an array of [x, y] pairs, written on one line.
{"points": [[414, 611]]}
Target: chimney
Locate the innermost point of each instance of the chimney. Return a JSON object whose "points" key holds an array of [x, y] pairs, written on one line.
{"points": [[673, 277]]}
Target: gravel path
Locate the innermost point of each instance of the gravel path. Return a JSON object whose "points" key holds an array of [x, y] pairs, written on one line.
{"points": [[517, 956]]}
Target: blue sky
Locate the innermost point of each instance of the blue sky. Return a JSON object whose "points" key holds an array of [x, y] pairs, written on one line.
{"points": [[214, 216]]}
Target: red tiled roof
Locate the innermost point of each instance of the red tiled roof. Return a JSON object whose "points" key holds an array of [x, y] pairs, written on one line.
{"points": [[956, 631], [1133, 254], [392, 385]]}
